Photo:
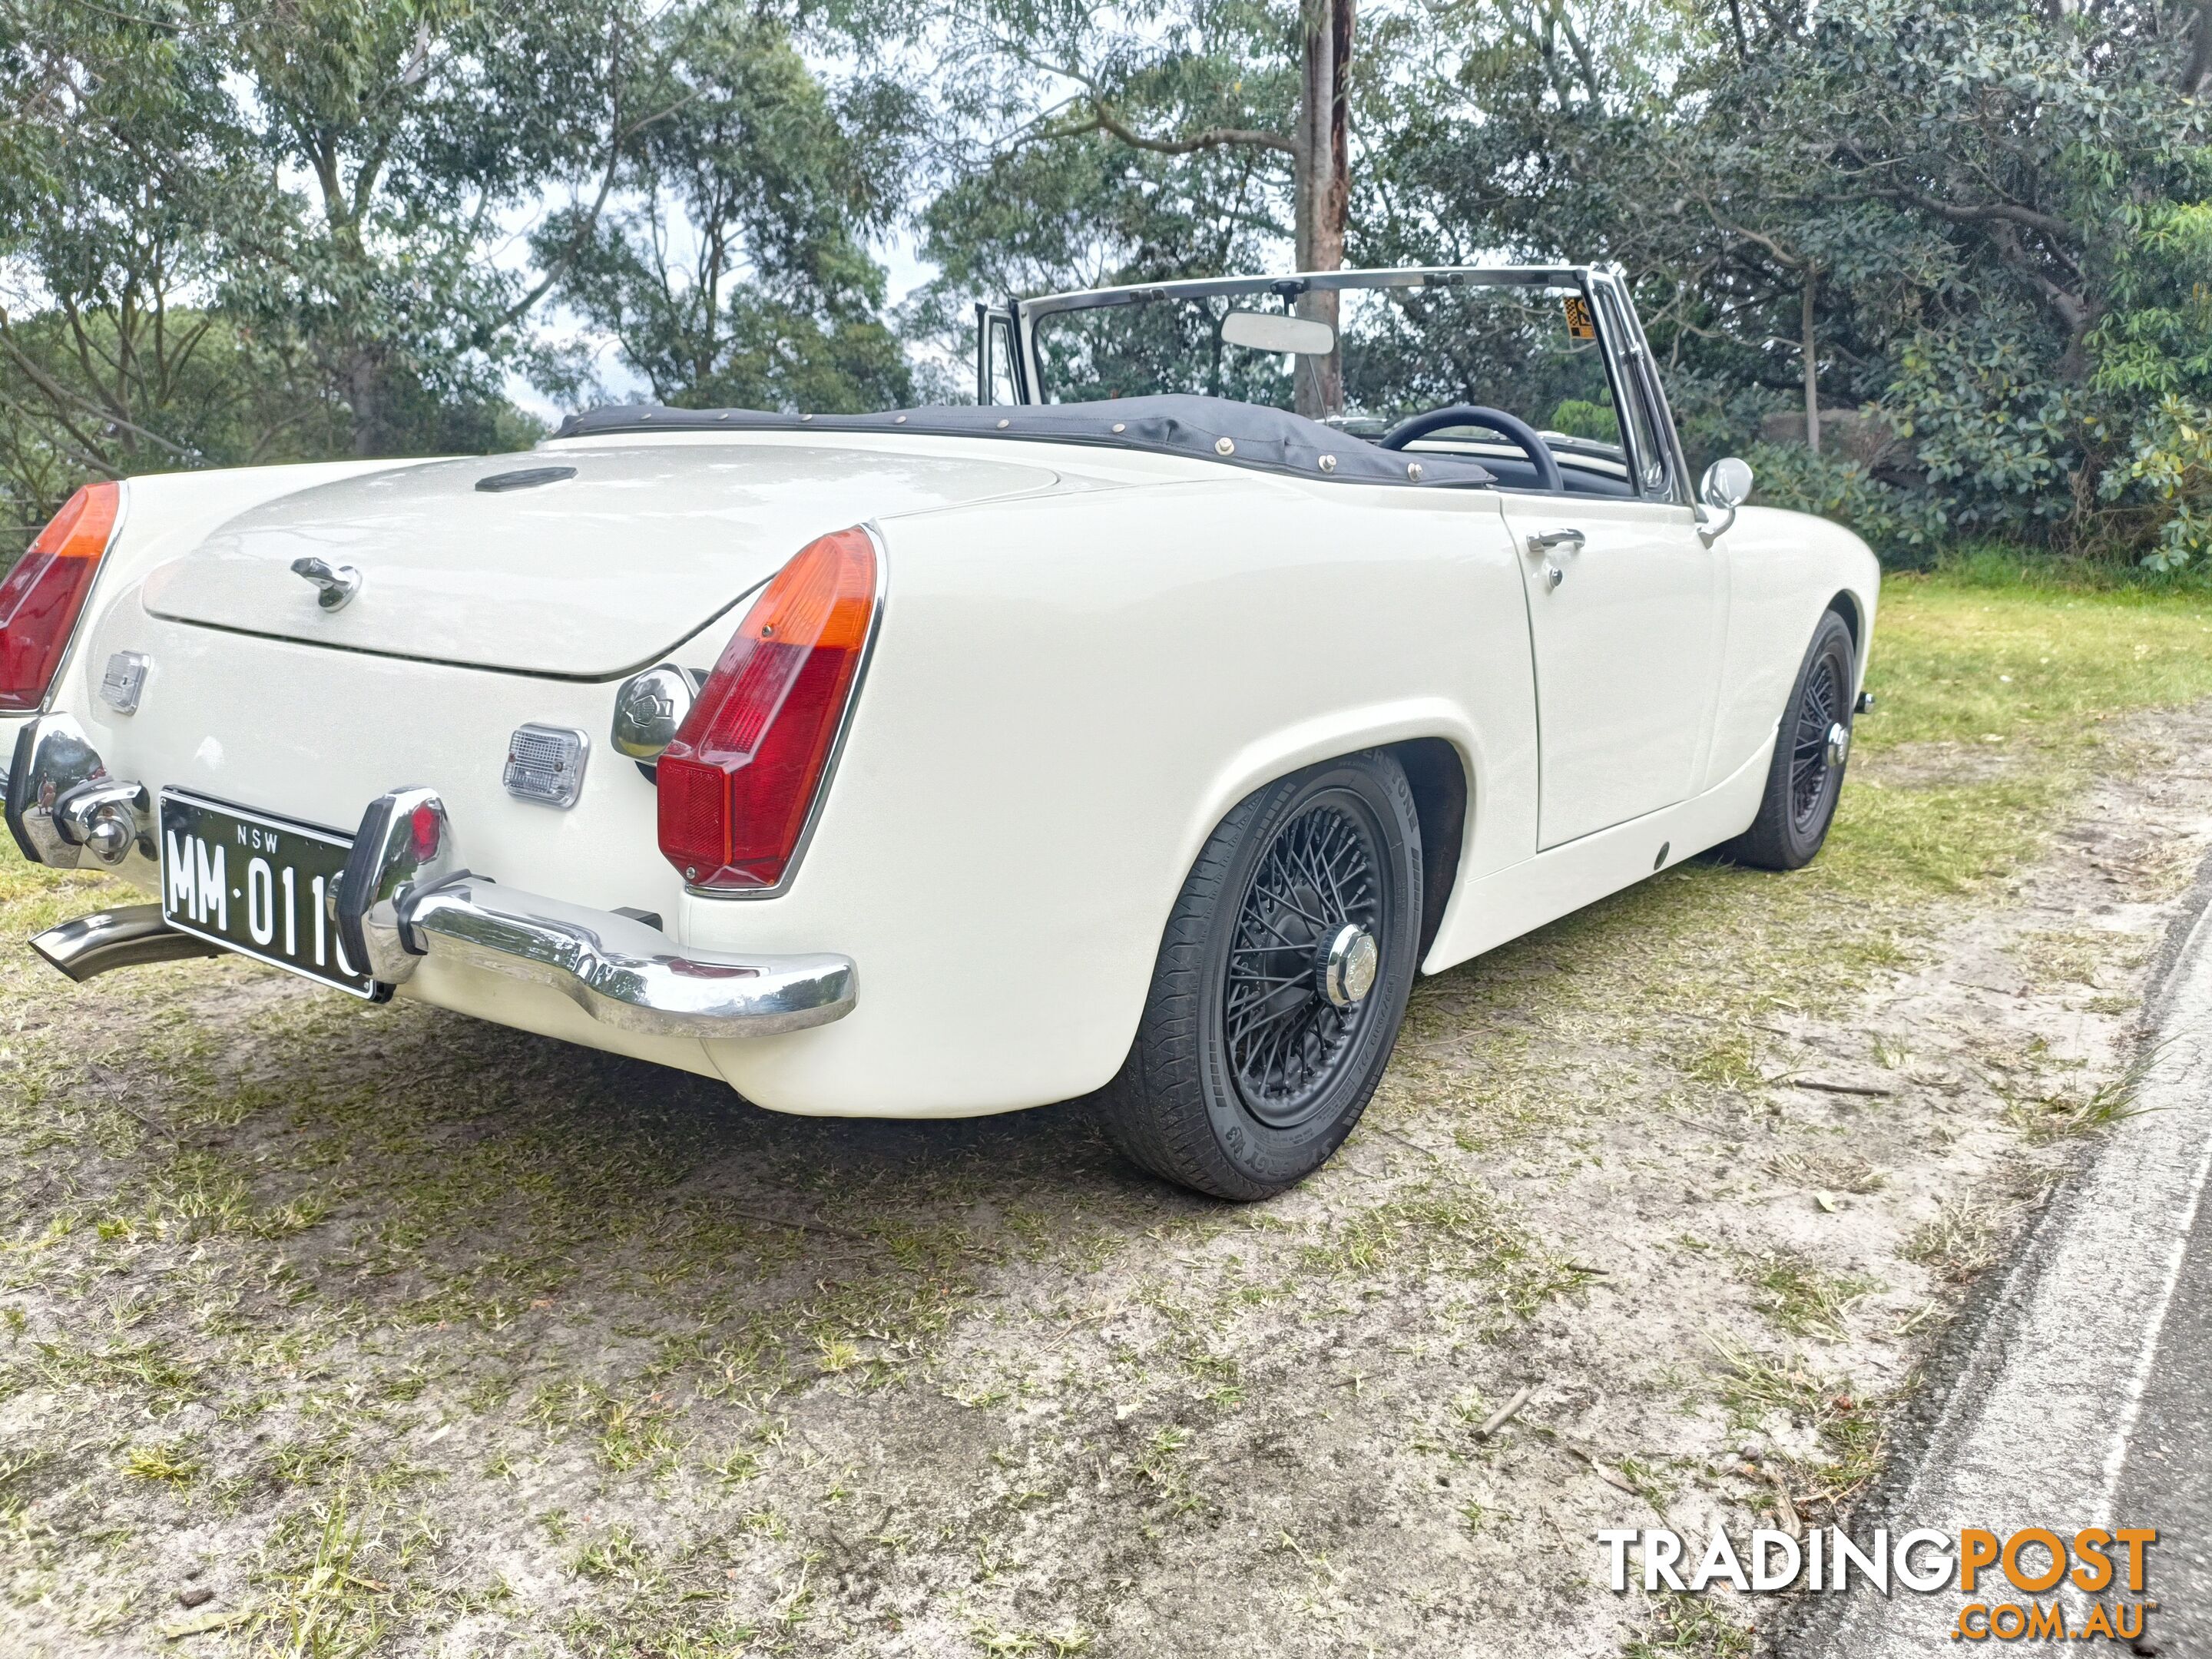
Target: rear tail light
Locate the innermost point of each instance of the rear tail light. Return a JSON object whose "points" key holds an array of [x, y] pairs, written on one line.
{"points": [[41, 596], [738, 781]]}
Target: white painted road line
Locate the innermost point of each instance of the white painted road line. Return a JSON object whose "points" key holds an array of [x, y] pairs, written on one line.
{"points": [[2038, 1425]]}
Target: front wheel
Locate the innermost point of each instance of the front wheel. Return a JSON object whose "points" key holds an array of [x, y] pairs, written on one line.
{"points": [[1280, 984], [1810, 749]]}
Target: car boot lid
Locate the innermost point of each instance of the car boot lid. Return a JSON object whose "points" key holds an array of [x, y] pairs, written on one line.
{"points": [[578, 562]]}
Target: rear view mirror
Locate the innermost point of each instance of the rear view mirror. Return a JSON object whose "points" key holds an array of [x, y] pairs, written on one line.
{"points": [[1271, 331]]}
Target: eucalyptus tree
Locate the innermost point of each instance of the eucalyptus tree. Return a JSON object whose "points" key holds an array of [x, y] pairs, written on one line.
{"points": [[731, 267], [400, 133], [245, 230], [125, 177], [1103, 142]]}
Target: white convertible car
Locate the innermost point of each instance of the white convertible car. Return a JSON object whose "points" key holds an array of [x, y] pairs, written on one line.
{"points": [[1128, 735]]}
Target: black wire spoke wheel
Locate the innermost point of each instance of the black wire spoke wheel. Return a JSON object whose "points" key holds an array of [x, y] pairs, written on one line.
{"points": [[1283, 975], [1287, 1037], [1812, 740], [1811, 758]]}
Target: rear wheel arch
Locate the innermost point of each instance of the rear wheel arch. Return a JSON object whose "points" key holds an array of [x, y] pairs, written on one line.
{"points": [[1184, 1104]]}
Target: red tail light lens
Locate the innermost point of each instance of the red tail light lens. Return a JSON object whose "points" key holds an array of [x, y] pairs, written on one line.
{"points": [[41, 597], [737, 782]]}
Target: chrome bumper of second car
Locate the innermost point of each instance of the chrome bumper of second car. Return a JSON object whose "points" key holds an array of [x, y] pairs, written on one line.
{"points": [[404, 898]]}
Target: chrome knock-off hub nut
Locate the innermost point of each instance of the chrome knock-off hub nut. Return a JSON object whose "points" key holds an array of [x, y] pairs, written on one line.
{"points": [[1839, 743], [1348, 965]]}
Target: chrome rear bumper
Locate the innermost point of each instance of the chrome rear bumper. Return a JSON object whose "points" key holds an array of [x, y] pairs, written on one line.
{"points": [[623, 972], [404, 899]]}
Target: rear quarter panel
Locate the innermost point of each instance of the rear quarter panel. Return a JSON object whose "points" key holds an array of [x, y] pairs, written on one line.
{"points": [[1066, 696]]}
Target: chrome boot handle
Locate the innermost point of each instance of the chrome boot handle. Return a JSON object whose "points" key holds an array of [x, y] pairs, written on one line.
{"points": [[335, 583]]}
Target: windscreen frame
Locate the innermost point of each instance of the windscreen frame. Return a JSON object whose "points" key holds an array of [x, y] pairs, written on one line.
{"points": [[1619, 354]]}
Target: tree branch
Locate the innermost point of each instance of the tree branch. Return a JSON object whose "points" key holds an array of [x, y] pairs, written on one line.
{"points": [[1104, 120], [1976, 213]]}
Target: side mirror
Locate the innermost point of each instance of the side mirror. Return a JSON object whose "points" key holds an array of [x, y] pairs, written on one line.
{"points": [[1725, 487], [1726, 483]]}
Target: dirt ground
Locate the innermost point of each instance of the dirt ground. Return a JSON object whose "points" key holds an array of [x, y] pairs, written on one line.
{"points": [[377, 1329]]}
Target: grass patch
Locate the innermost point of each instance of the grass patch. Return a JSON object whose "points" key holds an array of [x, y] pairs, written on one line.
{"points": [[171, 1465], [1689, 1628], [1459, 1231], [1959, 660], [1756, 1385], [1800, 1298], [1958, 1246], [2065, 1113]]}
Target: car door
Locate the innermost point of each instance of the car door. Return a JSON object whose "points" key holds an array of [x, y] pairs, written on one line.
{"points": [[1624, 604], [1627, 616]]}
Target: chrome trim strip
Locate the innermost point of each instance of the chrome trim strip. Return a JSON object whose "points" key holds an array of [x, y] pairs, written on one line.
{"points": [[1084, 299], [128, 938], [622, 972]]}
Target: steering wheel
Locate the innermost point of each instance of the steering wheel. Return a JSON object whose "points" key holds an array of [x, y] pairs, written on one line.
{"points": [[1511, 426]]}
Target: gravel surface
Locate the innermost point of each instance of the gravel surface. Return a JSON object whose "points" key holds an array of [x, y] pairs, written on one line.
{"points": [[334, 1329]]}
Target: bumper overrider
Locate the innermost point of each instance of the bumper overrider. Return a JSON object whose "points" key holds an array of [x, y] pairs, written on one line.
{"points": [[405, 897]]}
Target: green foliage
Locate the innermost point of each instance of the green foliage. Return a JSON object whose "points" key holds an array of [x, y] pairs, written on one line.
{"points": [[1060, 129], [1579, 417], [1904, 527], [233, 232], [2002, 212], [737, 275], [2171, 462]]}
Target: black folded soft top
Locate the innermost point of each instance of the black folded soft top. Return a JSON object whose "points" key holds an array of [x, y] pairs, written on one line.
{"points": [[1204, 428]]}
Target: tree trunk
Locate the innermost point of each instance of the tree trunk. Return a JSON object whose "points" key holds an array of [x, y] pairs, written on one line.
{"points": [[1322, 185], [1812, 362], [362, 387]]}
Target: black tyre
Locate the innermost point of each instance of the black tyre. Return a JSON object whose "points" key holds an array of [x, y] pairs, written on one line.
{"points": [[1281, 982], [1810, 751]]}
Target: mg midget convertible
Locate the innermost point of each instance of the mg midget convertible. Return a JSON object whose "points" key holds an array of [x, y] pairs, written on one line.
{"points": [[1130, 734]]}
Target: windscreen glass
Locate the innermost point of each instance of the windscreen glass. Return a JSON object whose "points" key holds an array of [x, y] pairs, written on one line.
{"points": [[1530, 350]]}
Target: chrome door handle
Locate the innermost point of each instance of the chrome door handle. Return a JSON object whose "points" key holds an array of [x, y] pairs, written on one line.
{"points": [[1542, 541], [1553, 575]]}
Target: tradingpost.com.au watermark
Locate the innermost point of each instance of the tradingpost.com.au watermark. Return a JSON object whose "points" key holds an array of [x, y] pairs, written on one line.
{"points": [[2001, 1574]]}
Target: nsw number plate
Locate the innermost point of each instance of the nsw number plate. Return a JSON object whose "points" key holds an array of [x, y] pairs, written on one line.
{"points": [[258, 884]]}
